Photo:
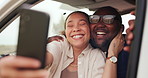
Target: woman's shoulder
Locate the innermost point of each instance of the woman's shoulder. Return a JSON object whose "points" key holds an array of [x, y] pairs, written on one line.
{"points": [[97, 52], [95, 49]]}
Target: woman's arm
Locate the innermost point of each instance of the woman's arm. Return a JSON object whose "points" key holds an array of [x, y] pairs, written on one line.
{"points": [[49, 58], [117, 44]]}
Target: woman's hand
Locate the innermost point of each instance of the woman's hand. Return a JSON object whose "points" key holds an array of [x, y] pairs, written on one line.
{"points": [[11, 67], [116, 45]]}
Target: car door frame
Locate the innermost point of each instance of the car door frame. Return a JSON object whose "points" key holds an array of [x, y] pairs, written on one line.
{"points": [[137, 41]]}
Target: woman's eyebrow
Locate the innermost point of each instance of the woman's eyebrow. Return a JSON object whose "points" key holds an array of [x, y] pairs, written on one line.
{"points": [[69, 21], [79, 20], [83, 20]]}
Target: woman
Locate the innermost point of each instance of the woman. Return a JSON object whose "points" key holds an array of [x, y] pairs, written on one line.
{"points": [[75, 49], [76, 31], [72, 57]]}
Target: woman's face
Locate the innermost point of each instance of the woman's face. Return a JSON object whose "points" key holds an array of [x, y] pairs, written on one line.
{"points": [[77, 30]]}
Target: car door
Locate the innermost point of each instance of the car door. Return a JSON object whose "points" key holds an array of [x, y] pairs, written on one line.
{"points": [[138, 65]]}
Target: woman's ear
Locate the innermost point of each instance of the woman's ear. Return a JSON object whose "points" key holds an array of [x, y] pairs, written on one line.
{"points": [[63, 32]]}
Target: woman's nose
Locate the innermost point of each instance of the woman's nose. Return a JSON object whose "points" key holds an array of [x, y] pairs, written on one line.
{"points": [[76, 28]]}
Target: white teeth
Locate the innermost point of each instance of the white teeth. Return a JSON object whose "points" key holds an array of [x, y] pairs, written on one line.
{"points": [[77, 36], [101, 33]]}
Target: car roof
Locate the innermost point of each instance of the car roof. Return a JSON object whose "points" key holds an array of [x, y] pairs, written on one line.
{"points": [[123, 6]]}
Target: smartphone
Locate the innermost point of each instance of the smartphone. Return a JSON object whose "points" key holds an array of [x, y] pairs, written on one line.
{"points": [[33, 31]]}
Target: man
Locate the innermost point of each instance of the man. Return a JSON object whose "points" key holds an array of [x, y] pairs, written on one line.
{"points": [[106, 22]]}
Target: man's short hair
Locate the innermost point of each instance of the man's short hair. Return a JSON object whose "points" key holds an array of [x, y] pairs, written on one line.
{"points": [[111, 10]]}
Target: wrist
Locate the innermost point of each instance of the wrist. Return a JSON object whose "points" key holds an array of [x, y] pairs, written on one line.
{"points": [[112, 53], [113, 59]]}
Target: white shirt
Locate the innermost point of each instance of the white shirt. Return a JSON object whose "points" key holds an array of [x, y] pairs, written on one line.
{"points": [[91, 61]]}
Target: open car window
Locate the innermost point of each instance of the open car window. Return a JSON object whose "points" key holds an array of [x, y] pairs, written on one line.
{"points": [[9, 37], [57, 10]]}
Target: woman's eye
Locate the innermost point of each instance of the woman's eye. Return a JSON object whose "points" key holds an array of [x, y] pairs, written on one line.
{"points": [[69, 25], [82, 23]]}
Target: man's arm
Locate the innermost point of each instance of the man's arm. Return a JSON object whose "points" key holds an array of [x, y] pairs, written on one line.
{"points": [[129, 33], [55, 38]]}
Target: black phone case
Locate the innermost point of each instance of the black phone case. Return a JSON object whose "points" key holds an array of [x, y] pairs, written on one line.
{"points": [[33, 33]]}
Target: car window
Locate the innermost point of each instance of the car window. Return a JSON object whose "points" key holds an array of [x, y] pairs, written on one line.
{"points": [[8, 38], [57, 11]]}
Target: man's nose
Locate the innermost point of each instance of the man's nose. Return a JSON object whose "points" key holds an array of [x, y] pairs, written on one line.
{"points": [[100, 24]]}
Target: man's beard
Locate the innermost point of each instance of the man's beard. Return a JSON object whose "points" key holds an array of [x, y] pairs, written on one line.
{"points": [[103, 46]]}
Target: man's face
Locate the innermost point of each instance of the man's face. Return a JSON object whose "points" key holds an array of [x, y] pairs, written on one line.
{"points": [[102, 33]]}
